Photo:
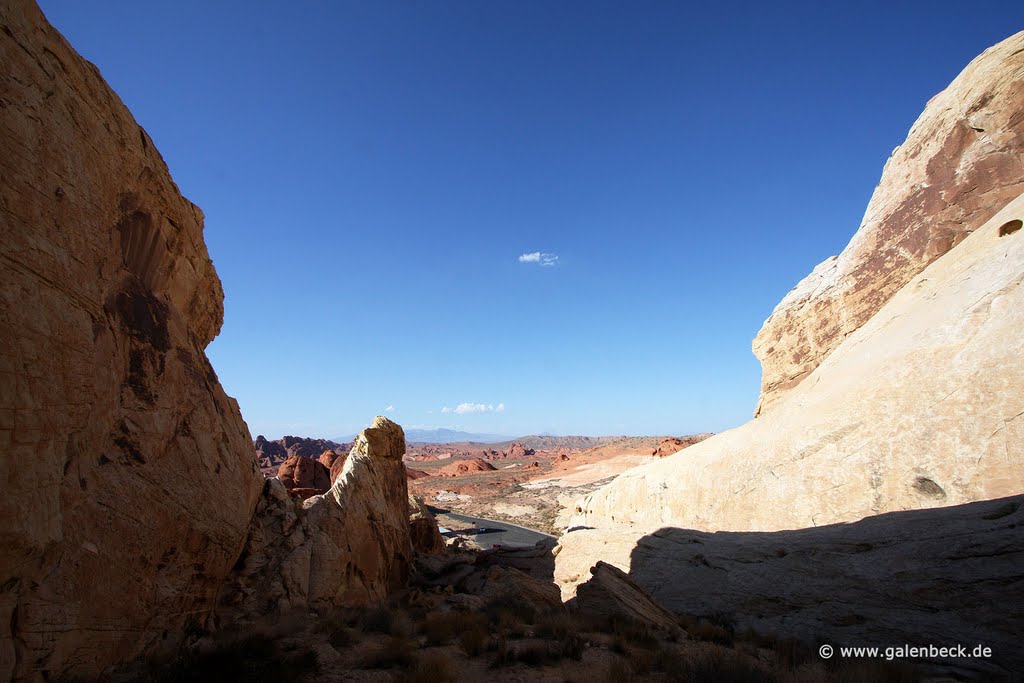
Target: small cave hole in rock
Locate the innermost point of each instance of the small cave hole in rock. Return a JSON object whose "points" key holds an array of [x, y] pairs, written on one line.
{"points": [[1010, 227], [927, 487]]}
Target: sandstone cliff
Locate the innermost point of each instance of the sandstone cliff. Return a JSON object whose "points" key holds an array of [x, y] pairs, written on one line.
{"points": [[129, 474], [921, 406], [961, 162]]}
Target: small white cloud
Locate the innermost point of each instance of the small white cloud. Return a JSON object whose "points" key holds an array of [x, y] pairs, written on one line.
{"points": [[469, 408], [446, 409], [389, 409], [540, 258]]}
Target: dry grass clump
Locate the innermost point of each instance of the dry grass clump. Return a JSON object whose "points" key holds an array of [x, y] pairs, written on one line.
{"points": [[432, 667], [257, 658], [395, 652], [442, 627]]}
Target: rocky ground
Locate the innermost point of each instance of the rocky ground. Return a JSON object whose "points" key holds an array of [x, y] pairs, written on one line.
{"points": [[495, 615]]}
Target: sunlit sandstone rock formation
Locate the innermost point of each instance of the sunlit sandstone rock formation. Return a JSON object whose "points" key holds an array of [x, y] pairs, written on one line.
{"points": [[920, 406], [960, 164], [348, 546]]}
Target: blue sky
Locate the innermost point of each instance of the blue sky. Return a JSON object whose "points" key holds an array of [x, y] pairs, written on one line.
{"points": [[373, 172]]}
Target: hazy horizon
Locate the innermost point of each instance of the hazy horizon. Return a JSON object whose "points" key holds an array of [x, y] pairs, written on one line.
{"points": [[518, 218]]}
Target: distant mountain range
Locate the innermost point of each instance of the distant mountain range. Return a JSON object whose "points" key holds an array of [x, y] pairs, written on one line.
{"points": [[500, 442], [441, 436]]}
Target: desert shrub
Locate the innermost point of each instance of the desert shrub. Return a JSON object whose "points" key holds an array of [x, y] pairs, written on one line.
{"points": [[711, 632], [475, 639], [376, 620], [619, 671], [555, 625], [724, 665], [396, 651], [512, 608], [432, 667], [343, 637], [254, 658]]}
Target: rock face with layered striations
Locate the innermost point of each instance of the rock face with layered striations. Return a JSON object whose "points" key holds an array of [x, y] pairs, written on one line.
{"points": [[129, 476], [349, 546], [921, 407], [963, 160]]}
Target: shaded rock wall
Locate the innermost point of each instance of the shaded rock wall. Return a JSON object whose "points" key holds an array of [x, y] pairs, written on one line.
{"points": [[963, 160], [942, 576], [129, 473]]}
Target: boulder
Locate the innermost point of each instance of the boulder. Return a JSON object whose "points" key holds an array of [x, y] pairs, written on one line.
{"points": [[304, 473], [611, 595], [960, 164], [329, 457], [129, 475], [426, 537]]}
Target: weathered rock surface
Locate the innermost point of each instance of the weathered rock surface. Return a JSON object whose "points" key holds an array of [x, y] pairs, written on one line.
{"points": [[466, 467], [920, 577], [304, 473], [349, 546], [423, 530], [329, 457], [612, 594], [923, 406], [518, 450], [269, 453], [129, 476], [961, 162], [672, 445]]}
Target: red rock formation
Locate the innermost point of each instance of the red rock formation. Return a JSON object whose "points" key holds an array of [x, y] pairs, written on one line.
{"points": [[329, 457], [466, 467], [413, 475], [336, 467], [304, 473], [135, 478], [670, 446], [518, 450]]}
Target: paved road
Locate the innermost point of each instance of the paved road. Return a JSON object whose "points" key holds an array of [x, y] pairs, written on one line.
{"points": [[500, 533]]}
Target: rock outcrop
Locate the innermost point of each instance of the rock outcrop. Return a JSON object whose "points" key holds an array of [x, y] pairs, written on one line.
{"points": [[269, 454], [426, 536], [610, 594], [960, 164], [921, 406], [518, 450], [129, 475], [466, 467], [298, 472], [349, 546]]}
